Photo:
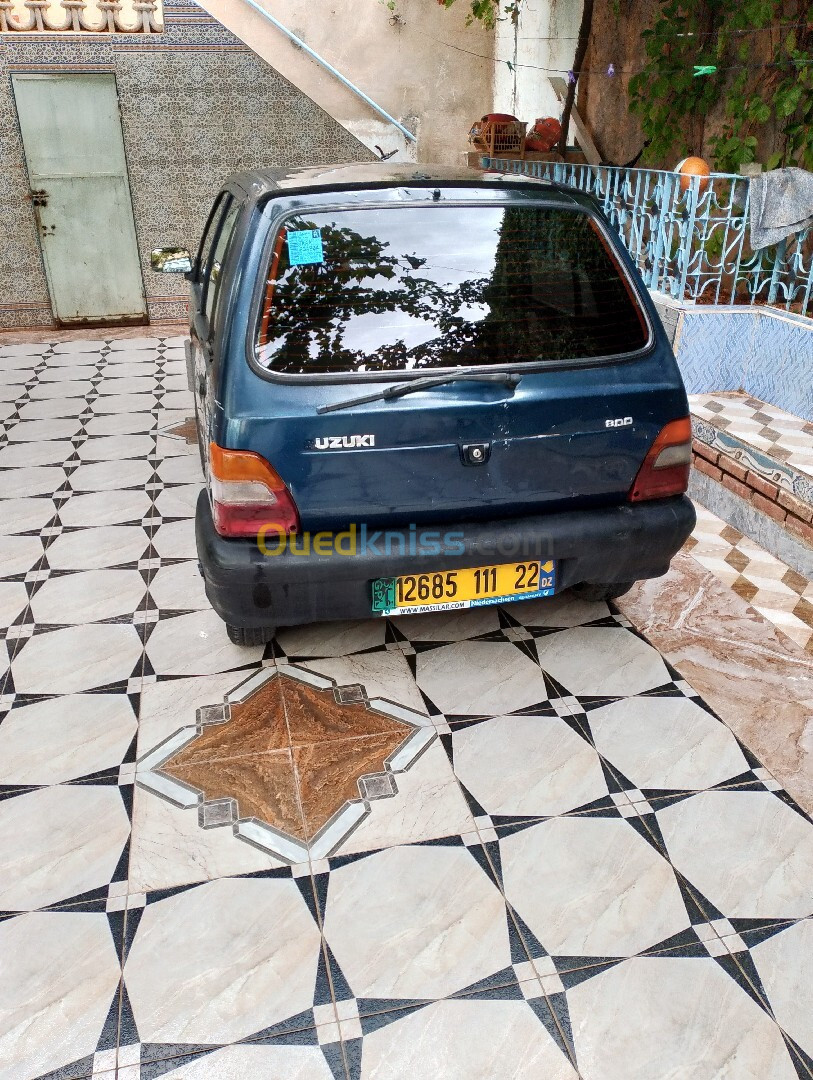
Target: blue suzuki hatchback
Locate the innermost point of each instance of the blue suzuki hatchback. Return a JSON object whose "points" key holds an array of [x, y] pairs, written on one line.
{"points": [[424, 390]]}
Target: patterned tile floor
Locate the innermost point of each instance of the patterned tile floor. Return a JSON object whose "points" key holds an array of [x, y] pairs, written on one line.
{"points": [[562, 864], [779, 434], [776, 591]]}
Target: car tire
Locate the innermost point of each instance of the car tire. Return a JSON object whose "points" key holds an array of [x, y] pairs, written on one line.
{"points": [[586, 591], [250, 635]]}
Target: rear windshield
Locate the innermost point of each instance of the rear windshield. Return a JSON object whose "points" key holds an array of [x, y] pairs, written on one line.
{"points": [[417, 288]]}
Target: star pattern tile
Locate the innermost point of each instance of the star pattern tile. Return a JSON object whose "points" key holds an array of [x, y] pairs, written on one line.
{"points": [[290, 764], [465, 846], [187, 430]]}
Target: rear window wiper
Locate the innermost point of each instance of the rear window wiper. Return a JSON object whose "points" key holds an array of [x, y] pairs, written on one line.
{"points": [[504, 378]]}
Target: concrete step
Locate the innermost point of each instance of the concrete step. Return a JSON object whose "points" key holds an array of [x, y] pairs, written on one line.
{"points": [[753, 467]]}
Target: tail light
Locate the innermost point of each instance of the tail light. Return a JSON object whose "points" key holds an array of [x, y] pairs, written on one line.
{"points": [[247, 494], [665, 470]]}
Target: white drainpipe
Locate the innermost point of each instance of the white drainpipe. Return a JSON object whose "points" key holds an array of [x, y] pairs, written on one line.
{"points": [[333, 71]]}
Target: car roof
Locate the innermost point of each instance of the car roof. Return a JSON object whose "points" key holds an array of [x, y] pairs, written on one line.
{"points": [[261, 183]]}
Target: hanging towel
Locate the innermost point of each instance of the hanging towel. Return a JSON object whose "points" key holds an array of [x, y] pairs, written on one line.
{"points": [[781, 204]]}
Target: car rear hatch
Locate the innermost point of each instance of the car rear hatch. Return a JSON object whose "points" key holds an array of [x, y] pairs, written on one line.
{"points": [[558, 381]]}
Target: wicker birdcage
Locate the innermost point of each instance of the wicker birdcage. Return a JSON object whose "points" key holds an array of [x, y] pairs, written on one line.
{"points": [[499, 135]]}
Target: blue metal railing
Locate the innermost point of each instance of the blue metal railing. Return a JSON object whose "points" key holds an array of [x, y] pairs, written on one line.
{"points": [[691, 244]]}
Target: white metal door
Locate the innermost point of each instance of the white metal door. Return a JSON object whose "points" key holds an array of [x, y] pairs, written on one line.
{"points": [[76, 166]]}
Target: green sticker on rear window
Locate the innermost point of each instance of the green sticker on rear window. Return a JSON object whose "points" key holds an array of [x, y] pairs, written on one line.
{"points": [[305, 247]]}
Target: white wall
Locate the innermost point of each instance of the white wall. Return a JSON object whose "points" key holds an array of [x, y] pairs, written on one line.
{"points": [[427, 69], [545, 38]]}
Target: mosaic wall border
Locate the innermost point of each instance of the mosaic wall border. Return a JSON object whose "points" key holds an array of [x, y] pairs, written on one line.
{"points": [[176, 310], [776, 472], [771, 499], [25, 315]]}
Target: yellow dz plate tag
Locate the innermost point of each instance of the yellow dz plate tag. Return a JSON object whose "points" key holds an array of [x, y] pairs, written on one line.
{"points": [[448, 590]]}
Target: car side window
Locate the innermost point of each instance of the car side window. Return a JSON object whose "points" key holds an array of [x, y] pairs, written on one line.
{"points": [[217, 257]]}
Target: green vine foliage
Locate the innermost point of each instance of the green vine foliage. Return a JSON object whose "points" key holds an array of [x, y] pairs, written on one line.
{"points": [[487, 12], [766, 85]]}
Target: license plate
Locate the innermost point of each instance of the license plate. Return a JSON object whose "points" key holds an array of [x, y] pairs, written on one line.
{"points": [[449, 590]]}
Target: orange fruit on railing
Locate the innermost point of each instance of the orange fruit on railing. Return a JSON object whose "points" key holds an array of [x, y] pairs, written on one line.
{"points": [[693, 166]]}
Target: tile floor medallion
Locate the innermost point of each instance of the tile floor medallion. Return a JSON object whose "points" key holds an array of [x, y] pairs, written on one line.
{"points": [[291, 772], [489, 844], [187, 430]]}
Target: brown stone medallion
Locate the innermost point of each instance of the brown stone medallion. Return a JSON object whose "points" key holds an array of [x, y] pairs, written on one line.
{"points": [[187, 430], [290, 761]]}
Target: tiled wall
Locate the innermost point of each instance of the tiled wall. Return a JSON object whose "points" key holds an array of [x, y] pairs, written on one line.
{"points": [[196, 104], [714, 350], [764, 351], [782, 363]]}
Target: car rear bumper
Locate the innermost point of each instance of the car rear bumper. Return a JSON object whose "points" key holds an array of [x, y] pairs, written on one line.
{"points": [[613, 544]]}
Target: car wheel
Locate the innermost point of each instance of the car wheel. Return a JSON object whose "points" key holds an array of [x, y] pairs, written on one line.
{"points": [[586, 591], [250, 635]]}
